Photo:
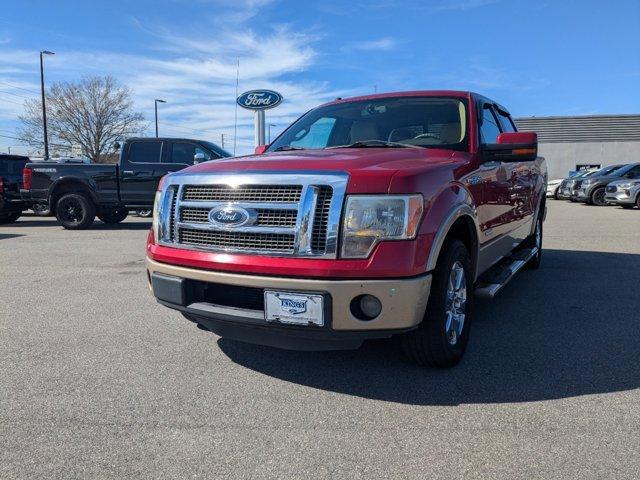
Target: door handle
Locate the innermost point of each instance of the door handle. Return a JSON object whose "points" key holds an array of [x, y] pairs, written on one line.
{"points": [[127, 172], [490, 165]]}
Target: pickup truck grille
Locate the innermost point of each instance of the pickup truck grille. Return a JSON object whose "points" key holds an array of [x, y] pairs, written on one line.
{"points": [[251, 193], [286, 214]]}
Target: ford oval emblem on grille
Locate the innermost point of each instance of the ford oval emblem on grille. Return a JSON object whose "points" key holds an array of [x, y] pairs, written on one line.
{"points": [[228, 216]]}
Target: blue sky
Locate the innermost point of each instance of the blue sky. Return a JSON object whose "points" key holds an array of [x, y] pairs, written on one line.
{"points": [[535, 57]]}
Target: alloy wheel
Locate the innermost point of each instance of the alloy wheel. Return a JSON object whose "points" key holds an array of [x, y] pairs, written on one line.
{"points": [[456, 301]]}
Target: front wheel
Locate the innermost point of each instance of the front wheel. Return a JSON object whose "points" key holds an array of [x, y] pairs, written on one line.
{"points": [[75, 211], [9, 218], [114, 216], [441, 339], [597, 197], [41, 210]]}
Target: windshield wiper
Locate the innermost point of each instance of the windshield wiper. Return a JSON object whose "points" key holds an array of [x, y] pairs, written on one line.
{"points": [[373, 144], [284, 148]]}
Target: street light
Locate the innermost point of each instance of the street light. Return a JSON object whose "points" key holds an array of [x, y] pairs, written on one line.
{"points": [[269, 130], [44, 108], [156, 101]]}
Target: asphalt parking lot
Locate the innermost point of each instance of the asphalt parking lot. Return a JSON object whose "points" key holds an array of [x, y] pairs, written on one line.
{"points": [[99, 381]]}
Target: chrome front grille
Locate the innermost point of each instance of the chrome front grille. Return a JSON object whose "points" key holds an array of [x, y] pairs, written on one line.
{"points": [[249, 193], [265, 217], [240, 241], [284, 214]]}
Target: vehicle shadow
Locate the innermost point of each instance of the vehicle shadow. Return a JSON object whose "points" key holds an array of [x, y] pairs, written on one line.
{"points": [[97, 225], [571, 328], [6, 236]]}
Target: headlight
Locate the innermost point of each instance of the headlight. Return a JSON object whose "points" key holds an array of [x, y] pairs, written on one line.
{"points": [[369, 219], [155, 225], [628, 184], [588, 181]]}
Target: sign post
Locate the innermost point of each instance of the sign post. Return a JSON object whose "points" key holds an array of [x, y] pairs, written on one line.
{"points": [[259, 101]]}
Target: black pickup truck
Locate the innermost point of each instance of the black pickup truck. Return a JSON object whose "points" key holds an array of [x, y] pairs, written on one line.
{"points": [[11, 205], [76, 194]]}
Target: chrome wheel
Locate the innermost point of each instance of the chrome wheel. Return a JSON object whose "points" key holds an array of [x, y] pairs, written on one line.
{"points": [[456, 301], [539, 235]]}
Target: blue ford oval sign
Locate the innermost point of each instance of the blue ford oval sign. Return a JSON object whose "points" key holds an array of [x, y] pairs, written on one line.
{"points": [[259, 99], [228, 216]]}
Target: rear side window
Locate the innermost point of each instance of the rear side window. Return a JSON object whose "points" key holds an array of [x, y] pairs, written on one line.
{"points": [[12, 167], [489, 130], [145, 152], [506, 122]]}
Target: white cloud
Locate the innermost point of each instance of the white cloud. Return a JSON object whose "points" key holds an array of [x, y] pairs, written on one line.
{"points": [[195, 74], [380, 44]]}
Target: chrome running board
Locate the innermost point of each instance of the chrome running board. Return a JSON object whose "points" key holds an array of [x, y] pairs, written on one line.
{"points": [[505, 273]]}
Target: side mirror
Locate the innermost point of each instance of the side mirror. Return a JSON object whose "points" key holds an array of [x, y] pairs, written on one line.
{"points": [[260, 149], [512, 147], [199, 157]]}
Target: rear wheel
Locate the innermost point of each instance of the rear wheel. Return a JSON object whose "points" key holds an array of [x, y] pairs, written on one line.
{"points": [[597, 197], [638, 201], [75, 211], [441, 339], [9, 218], [114, 216], [535, 241]]}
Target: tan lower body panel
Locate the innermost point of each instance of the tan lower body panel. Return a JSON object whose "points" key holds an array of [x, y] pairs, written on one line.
{"points": [[403, 300]]}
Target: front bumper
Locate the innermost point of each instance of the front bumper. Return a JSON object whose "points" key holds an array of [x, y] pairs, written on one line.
{"points": [[620, 197], [580, 195], [552, 190], [189, 290]]}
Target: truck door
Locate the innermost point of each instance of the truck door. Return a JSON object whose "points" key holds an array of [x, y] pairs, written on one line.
{"points": [[138, 177], [496, 211]]}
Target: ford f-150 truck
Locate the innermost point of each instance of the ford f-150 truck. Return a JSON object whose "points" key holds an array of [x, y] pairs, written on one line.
{"points": [[77, 193], [368, 217]]}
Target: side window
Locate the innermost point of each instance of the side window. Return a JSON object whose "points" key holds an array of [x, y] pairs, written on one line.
{"points": [[317, 136], [490, 130], [183, 152], [145, 152], [506, 122]]}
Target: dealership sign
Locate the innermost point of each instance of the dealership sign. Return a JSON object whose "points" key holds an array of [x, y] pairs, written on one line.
{"points": [[259, 99]]}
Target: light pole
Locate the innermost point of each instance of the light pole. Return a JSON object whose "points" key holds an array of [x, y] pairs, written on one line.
{"points": [[44, 108], [269, 130], [156, 101]]}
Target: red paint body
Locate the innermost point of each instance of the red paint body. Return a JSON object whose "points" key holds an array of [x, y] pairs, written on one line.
{"points": [[503, 199]]}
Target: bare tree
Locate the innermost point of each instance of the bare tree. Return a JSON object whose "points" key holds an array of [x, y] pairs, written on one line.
{"points": [[93, 114]]}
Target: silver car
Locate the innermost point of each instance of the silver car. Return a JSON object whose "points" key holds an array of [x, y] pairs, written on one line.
{"points": [[625, 193], [563, 191]]}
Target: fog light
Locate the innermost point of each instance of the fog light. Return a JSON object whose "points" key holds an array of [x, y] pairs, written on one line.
{"points": [[366, 307]]}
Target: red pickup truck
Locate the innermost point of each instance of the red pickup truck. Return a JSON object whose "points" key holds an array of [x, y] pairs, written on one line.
{"points": [[368, 217]]}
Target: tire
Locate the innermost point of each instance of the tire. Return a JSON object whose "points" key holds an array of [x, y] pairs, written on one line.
{"points": [[75, 211], [535, 240], [597, 197], [10, 218], [555, 194], [638, 201], [41, 210], [439, 341], [112, 217], [144, 213]]}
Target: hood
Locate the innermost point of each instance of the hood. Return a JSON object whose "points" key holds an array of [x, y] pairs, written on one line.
{"points": [[370, 169]]}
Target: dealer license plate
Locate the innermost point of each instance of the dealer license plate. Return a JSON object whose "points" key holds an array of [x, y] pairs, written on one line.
{"points": [[294, 308]]}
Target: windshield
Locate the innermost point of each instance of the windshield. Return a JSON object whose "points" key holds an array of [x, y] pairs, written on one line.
{"points": [[216, 149], [606, 170], [622, 170], [430, 122]]}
